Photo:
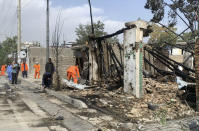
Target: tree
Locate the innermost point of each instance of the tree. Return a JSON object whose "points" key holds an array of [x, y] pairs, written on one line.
{"points": [[57, 50], [83, 32], [188, 36], [160, 35], [188, 12], [8, 46]]}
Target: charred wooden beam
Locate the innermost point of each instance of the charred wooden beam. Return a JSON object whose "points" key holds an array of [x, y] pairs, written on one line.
{"points": [[113, 34], [186, 68], [162, 72], [175, 68]]}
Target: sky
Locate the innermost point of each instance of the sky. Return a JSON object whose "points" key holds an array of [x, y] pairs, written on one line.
{"points": [[113, 13]]}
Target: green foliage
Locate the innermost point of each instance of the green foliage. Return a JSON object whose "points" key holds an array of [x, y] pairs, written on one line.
{"points": [[83, 32], [157, 8], [161, 35], [161, 114], [189, 8], [7, 47], [188, 36]]}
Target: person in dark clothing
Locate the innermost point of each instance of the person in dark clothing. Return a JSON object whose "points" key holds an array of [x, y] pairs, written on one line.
{"points": [[49, 67], [48, 75], [46, 80], [15, 69], [18, 69]]}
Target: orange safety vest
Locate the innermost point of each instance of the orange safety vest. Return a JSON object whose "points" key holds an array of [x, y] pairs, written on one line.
{"points": [[22, 67], [37, 68], [3, 68], [74, 70]]}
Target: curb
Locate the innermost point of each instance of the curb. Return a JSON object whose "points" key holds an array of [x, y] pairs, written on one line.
{"points": [[74, 102]]}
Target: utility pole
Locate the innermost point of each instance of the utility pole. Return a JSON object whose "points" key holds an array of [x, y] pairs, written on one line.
{"points": [[47, 31], [19, 29], [91, 16]]}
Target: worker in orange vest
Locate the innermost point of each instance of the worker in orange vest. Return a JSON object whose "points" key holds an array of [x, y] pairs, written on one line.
{"points": [[73, 72], [24, 69], [37, 70], [3, 69]]}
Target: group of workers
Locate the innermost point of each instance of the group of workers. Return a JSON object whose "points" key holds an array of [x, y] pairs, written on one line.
{"points": [[72, 74], [14, 68]]}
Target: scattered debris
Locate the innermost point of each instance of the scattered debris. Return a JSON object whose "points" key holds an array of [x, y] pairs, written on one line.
{"points": [[161, 102], [152, 107], [3, 93], [182, 83], [59, 118], [40, 91], [74, 85]]}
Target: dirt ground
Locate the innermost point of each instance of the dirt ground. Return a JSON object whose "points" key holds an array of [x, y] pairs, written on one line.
{"points": [[161, 102]]}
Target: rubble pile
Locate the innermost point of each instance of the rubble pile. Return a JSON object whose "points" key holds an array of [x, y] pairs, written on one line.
{"points": [[161, 102]]}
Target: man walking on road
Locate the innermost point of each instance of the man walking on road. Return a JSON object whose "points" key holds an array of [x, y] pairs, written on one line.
{"points": [[15, 69], [18, 69], [37, 70], [24, 69], [9, 71]]}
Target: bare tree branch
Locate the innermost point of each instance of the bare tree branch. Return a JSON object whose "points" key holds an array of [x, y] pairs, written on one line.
{"points": [[56, 47], [178, 15]]}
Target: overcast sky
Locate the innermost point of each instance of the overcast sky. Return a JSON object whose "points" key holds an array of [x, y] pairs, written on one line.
{"points": [[114, 13]]}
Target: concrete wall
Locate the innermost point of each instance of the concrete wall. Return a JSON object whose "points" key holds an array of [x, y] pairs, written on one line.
{"points": [[177, 51], [178, 58], [38, 54], [188, 60]]}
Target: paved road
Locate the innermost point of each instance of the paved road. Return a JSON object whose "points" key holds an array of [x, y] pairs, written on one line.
{"points": [[21, 109]]}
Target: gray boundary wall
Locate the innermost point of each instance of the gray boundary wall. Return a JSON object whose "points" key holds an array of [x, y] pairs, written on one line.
{"points": [[38, 54]]}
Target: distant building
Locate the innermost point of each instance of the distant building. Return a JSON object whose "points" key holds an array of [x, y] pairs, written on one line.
{"points": [[180, 55], [26, 45]]}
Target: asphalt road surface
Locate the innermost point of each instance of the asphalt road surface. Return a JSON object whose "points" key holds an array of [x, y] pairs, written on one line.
{"points": [[21, 109]]}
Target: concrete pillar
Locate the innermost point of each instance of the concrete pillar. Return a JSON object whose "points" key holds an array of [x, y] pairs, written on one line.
{"points": [[93, 69], [133, 58]]}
